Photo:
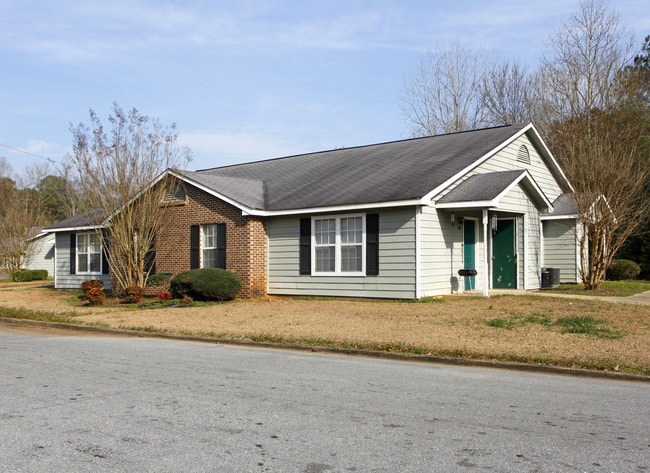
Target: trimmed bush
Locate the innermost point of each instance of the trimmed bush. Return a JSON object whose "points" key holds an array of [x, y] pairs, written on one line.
{"points": [[134, 294], [622, 269], [95, 296], [158, 279], [25, 275], [92, 283], [39, 274], [206, 284]]}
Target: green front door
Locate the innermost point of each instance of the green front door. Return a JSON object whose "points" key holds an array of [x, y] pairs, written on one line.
{"points": [[469, 252], [504, 258]]}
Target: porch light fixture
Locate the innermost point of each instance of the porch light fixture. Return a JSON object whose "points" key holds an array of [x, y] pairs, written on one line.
{"points": [[493, 224], [453, 218]]}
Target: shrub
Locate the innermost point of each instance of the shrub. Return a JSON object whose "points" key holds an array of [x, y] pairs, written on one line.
{"points": [[39, 274], [621, 269], [211, 284], [26, 275], [22, 275], [163, 296], [158, 279], [92, 283], [134, 294], [95, 296]]}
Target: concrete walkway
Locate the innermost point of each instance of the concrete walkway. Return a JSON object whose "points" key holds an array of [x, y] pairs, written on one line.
{"points": [[642, 298]]}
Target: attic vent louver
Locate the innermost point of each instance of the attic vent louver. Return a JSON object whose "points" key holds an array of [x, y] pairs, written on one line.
{"points": [[523, 156], [175, 194]]}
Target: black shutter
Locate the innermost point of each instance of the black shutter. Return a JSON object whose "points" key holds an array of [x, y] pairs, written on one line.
{"points": [[73, 253], [221, 245], [305, 246], [372, 244], [195, 247], [105, 266], [150, 261]]}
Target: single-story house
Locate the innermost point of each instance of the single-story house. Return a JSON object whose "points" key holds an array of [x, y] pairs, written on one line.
{"points": [[41, 251], [467, 211]]}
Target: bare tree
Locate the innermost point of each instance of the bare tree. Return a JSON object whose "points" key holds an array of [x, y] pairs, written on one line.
{"points": [[585, 55], [610, 178], [506, 93], [20, 214], [594, 135], [119, 176], [444, 94]]}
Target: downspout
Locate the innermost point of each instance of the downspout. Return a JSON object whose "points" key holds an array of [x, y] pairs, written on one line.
{"points": [[418, 249], [486, 268], [525, 265]]}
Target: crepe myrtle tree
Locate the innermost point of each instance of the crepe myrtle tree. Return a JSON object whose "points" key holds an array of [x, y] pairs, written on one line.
{"points": [[120, 171]]}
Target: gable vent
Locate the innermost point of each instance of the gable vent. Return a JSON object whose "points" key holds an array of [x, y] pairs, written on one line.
{"points": [[175, 194], [523, 156]]}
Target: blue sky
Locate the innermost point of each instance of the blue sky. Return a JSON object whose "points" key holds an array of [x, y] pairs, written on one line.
{"points": [[244, 80]]}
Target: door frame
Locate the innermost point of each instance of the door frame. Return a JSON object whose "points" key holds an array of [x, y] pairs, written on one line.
{"points": [[471, 279], [515, 246]]}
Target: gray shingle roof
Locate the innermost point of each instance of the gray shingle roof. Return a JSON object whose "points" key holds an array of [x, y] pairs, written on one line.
{"points": [[89, 219], [386, 172], [565, 204], [482, 187]]}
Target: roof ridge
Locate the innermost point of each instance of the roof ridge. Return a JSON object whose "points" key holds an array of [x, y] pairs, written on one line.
{"points": [[313, 153]]}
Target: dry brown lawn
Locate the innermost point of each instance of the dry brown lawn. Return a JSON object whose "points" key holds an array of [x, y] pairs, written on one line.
{"points": [[453, 326]]}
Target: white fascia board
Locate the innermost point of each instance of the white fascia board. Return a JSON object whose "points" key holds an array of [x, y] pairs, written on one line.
{"points": [[75, 229], [558, 217], [496, 149], [526, 175], [548, 154], [479, 204], [311, 210], [337, 209]]}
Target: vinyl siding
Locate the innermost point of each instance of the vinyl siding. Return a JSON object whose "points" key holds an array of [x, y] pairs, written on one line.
{"points": [[63, 279], [561, 249], [506, 160], [529, 251], [396, 277], [442, 253], [41, 254]]}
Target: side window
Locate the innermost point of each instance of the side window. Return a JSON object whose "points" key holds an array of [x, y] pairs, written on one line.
{"points": [[339, 245], [208, 246], [88, 253]]}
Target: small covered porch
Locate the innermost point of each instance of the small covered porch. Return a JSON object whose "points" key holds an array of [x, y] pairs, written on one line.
{"points": [[501, 230]]}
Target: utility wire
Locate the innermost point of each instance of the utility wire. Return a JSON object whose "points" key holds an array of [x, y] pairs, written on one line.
{"points": [[50, 160]]}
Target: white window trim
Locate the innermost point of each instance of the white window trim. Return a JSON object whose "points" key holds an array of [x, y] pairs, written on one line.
{"points": [[337, 246], [76, 254], [201, 247]]}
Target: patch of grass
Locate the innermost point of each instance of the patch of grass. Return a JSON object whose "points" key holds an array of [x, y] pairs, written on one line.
{"points": [[27, 314], [588, 326], [582, 324], [518, 320], [606, 289], [424, 300]]}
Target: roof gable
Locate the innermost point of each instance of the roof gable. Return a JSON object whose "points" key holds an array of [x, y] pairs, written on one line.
{"points": [[486, 190]]}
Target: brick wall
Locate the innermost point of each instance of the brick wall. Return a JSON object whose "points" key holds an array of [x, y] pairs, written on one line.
{"points": [[245, 239]]}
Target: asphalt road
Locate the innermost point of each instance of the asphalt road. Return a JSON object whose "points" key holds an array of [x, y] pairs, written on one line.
{"points": [[88, 403]]}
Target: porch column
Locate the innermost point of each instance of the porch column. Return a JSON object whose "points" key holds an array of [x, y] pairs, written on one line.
{"points": [[486, 269]]}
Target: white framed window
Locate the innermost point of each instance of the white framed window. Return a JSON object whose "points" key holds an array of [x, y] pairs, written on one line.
{"points": [[209, 247], [338, 245], [89, 253]]}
